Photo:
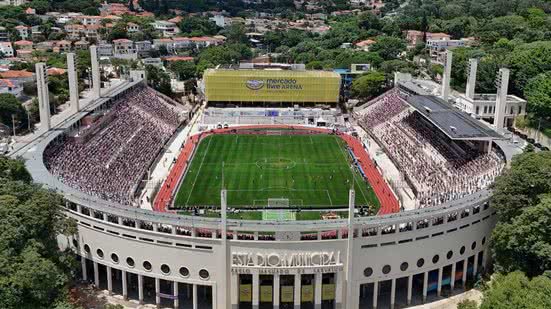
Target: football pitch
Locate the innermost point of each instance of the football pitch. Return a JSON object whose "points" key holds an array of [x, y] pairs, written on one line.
{"points": [[273, 171]]}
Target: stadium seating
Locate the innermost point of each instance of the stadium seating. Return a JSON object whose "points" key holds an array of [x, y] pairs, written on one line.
{"points": [[437, 169], [110, 163]]}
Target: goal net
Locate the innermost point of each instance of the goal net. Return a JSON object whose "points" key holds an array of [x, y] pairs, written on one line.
{"points": [[278, 210]]}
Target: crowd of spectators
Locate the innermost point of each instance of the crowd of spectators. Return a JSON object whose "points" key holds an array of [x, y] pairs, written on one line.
{"points": [[111, 163], [438, 169]]}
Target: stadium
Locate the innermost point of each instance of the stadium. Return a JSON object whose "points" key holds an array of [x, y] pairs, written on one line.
{"points": [[272, 207]]}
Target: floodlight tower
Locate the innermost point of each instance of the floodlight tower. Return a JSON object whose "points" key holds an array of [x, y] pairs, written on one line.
{"points": [[447, 75], [96, 80], [43, 95], [471, 78], [73, 83], [502, 85]]}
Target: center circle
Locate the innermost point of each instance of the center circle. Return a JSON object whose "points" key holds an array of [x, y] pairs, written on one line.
{"points": [[275, 163]]}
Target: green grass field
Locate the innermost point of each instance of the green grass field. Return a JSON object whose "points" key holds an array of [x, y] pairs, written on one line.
{"points": [[307, 170]]}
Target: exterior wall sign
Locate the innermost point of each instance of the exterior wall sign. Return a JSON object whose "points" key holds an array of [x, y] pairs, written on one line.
{"points": [[271, 263]]}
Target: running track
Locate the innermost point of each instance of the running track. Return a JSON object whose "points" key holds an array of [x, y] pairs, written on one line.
{"points": [[389, 203]]}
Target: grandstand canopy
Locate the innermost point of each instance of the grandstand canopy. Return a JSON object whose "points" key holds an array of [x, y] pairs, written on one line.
{"points": [[454, 123]]}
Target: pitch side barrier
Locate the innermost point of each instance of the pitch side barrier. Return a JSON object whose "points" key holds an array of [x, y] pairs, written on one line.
{"points": [[388, 200]]}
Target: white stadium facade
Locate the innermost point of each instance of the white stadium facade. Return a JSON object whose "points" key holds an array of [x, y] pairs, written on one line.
{"points": [[170, 260]]}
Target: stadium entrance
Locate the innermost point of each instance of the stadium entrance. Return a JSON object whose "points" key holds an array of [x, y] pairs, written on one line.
{"points": [[288, 290]]}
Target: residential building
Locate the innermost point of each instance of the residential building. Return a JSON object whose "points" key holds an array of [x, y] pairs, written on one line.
{"points": [[167, 29], [23, 45], [82, 45], [132, 27], [364, 45], [17, 76], [157, 62], [124, 49], [414, 37], [74, 31], [6, 49], [437, 48], [23, 31], [62, 46], [4, 35], [7, 86], [105, 49], [143, 48], [166, 43], [91, 32], [89, 20]]}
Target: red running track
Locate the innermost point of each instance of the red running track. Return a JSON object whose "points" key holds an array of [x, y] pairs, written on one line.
{"points": [[389, 203]]}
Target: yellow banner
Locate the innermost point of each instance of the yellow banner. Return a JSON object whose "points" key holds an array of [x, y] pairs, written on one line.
{"points": [[328, 292], [272, 86], [266, 294], [287, 294], [245, 293], [307, 293]]}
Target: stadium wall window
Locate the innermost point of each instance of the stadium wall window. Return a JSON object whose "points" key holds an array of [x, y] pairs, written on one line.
{"points": [[130, 262], [204, 274], [420, 262], [368, 272], [147, 265]]}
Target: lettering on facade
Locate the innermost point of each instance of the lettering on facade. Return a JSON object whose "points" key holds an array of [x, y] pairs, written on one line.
{"points": [[284, 263]]}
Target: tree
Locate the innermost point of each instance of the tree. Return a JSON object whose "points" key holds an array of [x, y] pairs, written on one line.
{"points": [[522, 198], [388, 47], [527, 61], [184, 70], [236, 34], [35, 274], [10, 106], [521, 186], [525, 243], [515, 290], [158, 79], [538, 94], [368, 85]]}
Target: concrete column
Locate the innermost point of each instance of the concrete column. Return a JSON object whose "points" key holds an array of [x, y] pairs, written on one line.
{"points": [[84, 270], [425, 285], [452, 279], [109, 280], [392, 293], [140, 289], [475, 265], [195, 303], [73, 83], [124, 285], [157, 291], [96, 274], [464, 279], [471, 80], [298, 290], [256, 290], [339, 276], [234, 291], [375, 294], [317, 290], [485, 257], [175, 294], [226, 256], [155, 226], [350, 250], [501, 98], [96, 80], [410, 289], [439, 287], [276, 291], [447, 75], [43, 96]]}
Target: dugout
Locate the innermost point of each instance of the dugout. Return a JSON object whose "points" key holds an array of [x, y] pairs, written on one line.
{"points": [[271, 87]]}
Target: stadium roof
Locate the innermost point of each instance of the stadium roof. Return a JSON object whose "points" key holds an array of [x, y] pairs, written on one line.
{"points": [[270, 73], [453, 122]]}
